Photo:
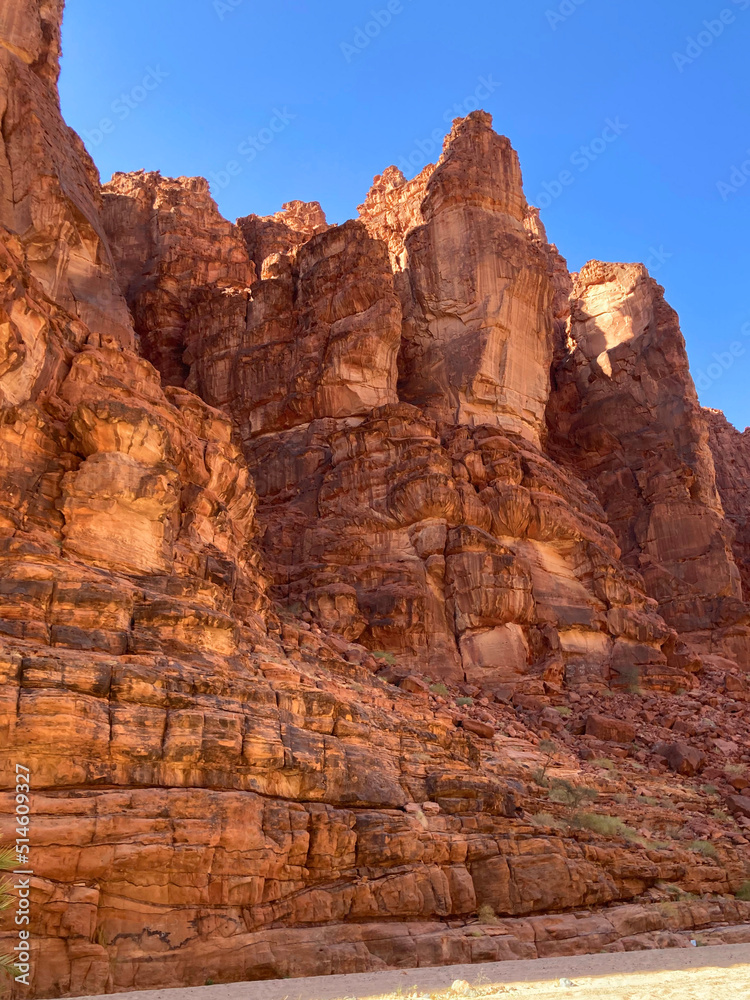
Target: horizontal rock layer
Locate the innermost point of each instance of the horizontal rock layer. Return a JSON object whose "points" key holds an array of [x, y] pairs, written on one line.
{"points": [[369, 594]]}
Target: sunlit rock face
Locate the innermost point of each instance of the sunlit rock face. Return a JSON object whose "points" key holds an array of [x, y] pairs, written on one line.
{"points": [[388, 380], [262, 485], [478, 338], [49, 187], [625, 416], [171, 242]]}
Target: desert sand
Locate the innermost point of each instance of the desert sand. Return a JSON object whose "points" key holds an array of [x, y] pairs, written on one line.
{"points": [[673, 974]]}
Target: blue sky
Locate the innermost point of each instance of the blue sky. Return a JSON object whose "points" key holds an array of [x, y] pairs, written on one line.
{"points": [[311, 98]]}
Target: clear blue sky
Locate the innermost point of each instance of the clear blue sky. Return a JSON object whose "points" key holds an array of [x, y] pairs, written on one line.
{"points": [[290, 91]]}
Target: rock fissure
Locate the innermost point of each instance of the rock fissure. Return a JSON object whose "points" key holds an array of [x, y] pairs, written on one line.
{"points": [[357, 582]]}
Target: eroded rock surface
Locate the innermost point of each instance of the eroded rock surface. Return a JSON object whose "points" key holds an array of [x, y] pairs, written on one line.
{"points": [[332, 640], [731, 454], [625, 416]]}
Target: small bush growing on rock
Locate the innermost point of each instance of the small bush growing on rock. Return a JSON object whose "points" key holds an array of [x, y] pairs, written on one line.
{"points": [[464, 702], [440, 689], [539, 777], [564, 710], [566, 794], [607, 826], [743, 892], [486, 914], [388, 658], [704, 847], [604, 762]]}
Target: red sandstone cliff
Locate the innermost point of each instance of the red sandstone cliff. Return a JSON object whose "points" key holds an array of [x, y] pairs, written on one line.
{"points": [[260, 485]]}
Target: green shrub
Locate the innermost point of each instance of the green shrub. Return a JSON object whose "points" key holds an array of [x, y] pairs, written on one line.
{"points": [[548, 820], [607, 826], [743, 892], [564, 711], [440, 689], [704, 847], [388, 658], [565, 794], [464, 702], [604, 762], [539, 777]]}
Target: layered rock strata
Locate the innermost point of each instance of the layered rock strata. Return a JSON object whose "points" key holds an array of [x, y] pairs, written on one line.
{"points": [[731, 455], [625, 415], [259, 485], [435, 529], [176, 244]]}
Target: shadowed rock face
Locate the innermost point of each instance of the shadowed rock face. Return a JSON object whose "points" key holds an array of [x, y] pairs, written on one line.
{"points": [[172, 243], [625, 416], [257, 483], [436, 529], [731, 455], [478, 338]]}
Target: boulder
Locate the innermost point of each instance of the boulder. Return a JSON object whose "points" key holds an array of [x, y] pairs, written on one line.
{"points": [[681, 758]]}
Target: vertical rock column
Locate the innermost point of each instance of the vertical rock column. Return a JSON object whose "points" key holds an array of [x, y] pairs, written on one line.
{"points": [[479, 346]]}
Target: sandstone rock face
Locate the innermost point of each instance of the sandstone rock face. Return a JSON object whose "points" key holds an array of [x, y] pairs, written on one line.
{"points": [[393, 208], [440, 533], [295, 224], [49, 194], [172, 243], [478, 337], [260, 487], [731, 455], [624, 415]]}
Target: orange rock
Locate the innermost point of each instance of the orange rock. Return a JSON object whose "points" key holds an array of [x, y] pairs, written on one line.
{"points": [[610, 730]]}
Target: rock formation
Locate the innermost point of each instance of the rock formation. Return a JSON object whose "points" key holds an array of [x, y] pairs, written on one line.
{"points": [[731, 454], [625, 416], [366, 598]]}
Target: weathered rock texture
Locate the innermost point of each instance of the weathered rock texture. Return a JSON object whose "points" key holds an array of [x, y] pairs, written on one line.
{"points": [[282, 232], [259, 485], [731, 455], [176, 244], [625, 416]]}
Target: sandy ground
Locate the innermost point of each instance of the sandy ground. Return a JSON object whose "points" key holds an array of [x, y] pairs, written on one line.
{"points": [[720, 973]]}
